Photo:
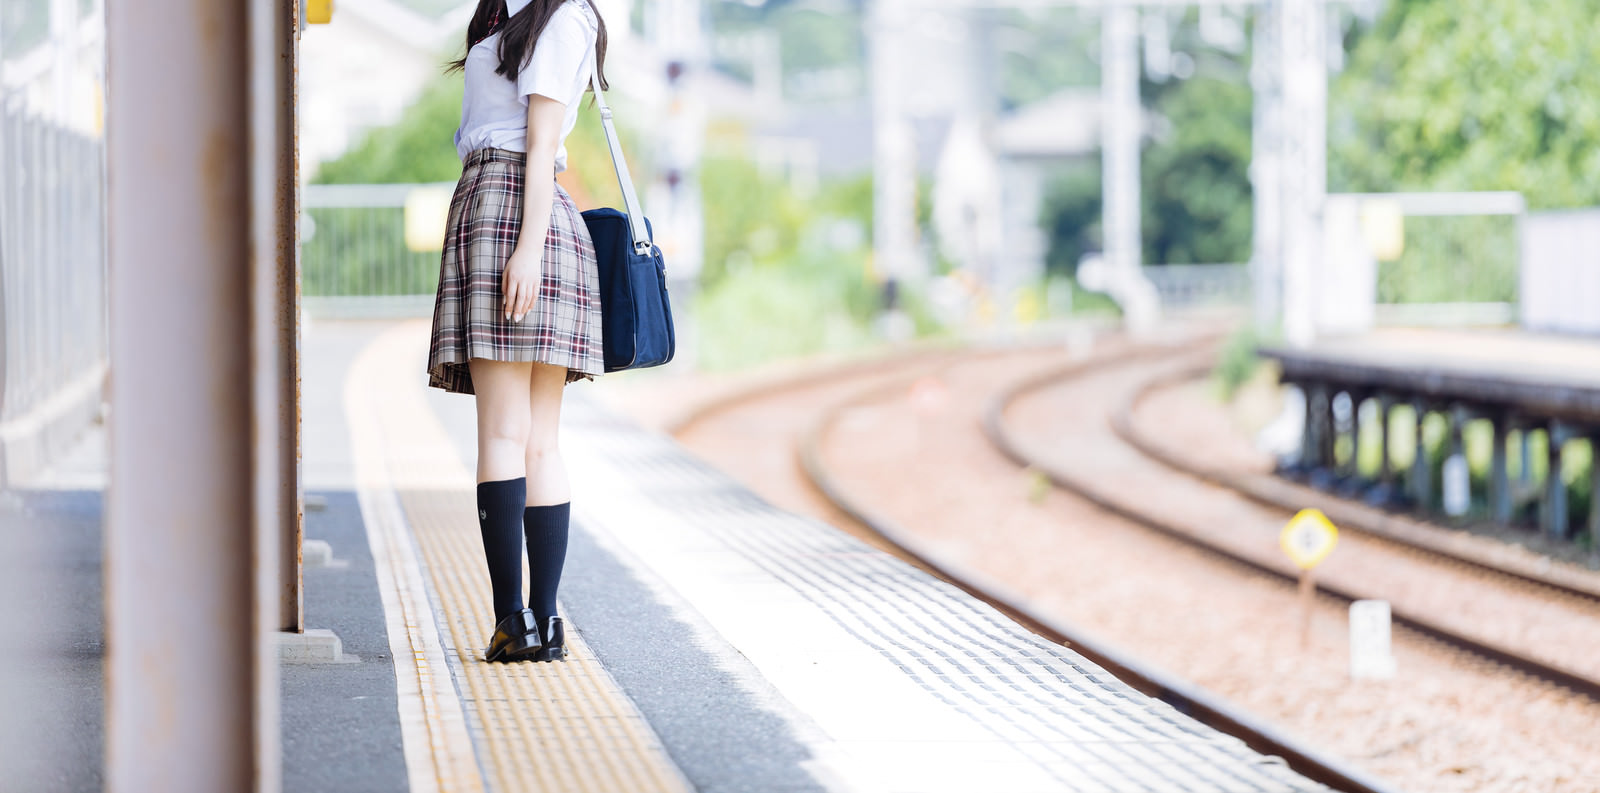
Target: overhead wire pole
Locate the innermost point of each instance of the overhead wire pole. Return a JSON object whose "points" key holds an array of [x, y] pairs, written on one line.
{"points": [[1266, 170], [1288, 169], [1119, 135], [1302, 114], [894, 182]]}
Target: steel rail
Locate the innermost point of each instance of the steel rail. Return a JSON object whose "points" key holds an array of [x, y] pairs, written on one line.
{"points": [[1202, 705], [1123, 424]]}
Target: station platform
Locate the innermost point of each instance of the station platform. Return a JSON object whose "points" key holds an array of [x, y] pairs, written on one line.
{"points": [[1543, 374], [717, 643]]}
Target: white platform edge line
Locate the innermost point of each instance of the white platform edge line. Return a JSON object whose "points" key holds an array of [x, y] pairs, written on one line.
{"points": [[437, 746]]}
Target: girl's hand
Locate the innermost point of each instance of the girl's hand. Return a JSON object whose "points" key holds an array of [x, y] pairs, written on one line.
{"points": [[524, 272]]}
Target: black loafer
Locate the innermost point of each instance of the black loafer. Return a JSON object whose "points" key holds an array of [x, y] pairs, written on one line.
{"points": [[554, 647], [516, 635]]}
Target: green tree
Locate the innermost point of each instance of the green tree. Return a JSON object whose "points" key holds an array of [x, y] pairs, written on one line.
{"points": [[1501, 98], [420, 147], [1196, 182]]}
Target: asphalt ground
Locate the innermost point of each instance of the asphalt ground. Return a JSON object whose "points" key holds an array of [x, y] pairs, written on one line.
{"points": [[725, 726], [340, 726], [52, 734]]}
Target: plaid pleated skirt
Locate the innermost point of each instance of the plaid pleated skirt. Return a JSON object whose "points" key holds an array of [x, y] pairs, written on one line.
{"points": [[562, 328]]}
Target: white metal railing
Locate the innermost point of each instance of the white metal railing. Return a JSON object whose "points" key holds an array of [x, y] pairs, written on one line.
{"points": [[353, 254], [1482, 276], [52, 264], [1184, 286]]}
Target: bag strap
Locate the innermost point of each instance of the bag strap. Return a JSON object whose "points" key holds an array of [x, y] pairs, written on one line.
{"points": [[630, 200]]}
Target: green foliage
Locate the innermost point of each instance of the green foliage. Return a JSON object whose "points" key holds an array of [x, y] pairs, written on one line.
{"points": [[784, 275], [1196, 196], [1045, 51], [754, 218], [1196, 185], [353, 253], [1071, 215], [813, 303], [1237, 362], [420, 147], [1501, 98], [1453, 259], [811, 39]]}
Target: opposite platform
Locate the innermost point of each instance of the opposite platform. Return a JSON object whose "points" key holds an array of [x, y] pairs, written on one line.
{"points": [[722, 644]]}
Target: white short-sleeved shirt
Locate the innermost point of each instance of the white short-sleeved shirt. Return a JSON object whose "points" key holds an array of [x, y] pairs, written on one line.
{"points": [[494, 110]]}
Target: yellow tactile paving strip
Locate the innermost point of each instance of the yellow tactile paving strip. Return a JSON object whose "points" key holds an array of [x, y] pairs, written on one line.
{"points": [[555, 726], [534, 727]]}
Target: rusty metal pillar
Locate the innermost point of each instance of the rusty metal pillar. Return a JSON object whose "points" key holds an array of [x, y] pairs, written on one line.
{"points": [[275, 294], [196, 496]]}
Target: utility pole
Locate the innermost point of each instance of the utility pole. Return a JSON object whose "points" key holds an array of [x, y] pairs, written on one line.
{"points": [[1266, 171], [894, 183], [681, 38], [1119, 136], [1304, 109]]}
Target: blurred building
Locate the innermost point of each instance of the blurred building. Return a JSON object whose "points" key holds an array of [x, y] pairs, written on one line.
{"points": [[365, 68]]}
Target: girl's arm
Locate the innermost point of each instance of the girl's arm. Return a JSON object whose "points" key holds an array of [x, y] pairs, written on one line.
{"points": [[525, 268]]}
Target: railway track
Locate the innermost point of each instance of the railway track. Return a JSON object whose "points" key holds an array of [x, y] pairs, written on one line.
{"points": [[1530, 570], [798, 415], [1262, 557]]}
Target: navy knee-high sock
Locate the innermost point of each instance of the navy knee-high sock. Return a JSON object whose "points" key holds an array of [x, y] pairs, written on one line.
{"points": [[499, 506], [546, 529]]}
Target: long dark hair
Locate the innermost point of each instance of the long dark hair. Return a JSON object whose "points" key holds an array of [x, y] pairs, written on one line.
{"points": [[520, 34]]}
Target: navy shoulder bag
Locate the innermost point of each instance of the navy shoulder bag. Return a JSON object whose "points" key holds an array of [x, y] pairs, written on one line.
{"points": [[635, 316]]}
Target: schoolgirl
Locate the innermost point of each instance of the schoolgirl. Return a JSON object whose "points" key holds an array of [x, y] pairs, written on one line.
{"points": [[517, 315]]}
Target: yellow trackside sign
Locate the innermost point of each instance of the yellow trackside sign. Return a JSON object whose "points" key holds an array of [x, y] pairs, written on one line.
{"points": [[319, 12], [1308, 538]]}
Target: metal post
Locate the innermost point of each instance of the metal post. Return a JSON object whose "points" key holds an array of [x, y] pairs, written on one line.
{"points": [[1421, 487], [1525, 474], [1385, 463], [190, 567], [1458, 419], [1499, 477], [1119, 137], [1350, 466], [1306, 433], [275, 296], [1266, 255], [1554, 513], [894, 181], [1302, 59], [1328, 433], [1594, 493], [1316, 423]]}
